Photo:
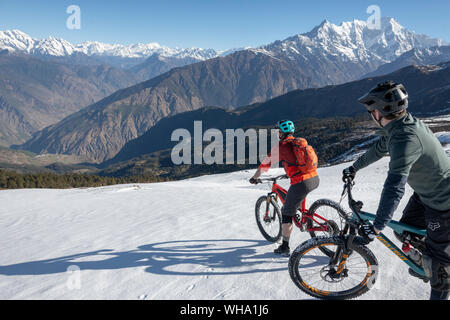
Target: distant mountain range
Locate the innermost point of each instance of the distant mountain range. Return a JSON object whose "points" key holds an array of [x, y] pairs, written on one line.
{"points": [[328, 55], [43, 81], [353, 40], [428, 88], [18, 41], [35, 93], [117, 55]]}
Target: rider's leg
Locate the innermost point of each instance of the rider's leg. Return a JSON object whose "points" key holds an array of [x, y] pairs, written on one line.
{"points": [[439, 295], [294, 198], [286, 230], [436, 259], [439, 276], [413, 215]]}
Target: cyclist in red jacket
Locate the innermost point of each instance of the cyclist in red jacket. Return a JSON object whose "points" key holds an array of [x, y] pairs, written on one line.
{"points": [[302, 183]]}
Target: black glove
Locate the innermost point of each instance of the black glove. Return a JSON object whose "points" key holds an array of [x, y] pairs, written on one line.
{"points": [[254, 181], [367, 232], [349, 173]]}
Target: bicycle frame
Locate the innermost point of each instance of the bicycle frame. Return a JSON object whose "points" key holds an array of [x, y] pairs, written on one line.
{"points": [[278, 192], [398, 227]]}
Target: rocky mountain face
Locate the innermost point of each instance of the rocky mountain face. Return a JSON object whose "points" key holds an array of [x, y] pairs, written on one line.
{"points": [[100, 130], [328, 55], [14, 128], [39, 93], [419, 57], [157, 64], [421, 83]]}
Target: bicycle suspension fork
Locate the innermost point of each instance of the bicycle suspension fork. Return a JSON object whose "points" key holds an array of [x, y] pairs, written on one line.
{"points": [[344, 250], [270, 196]]}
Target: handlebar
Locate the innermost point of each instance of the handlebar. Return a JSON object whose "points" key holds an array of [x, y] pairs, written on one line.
{"points": [[272, 179]]}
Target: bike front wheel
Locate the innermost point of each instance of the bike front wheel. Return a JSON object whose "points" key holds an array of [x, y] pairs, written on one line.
{"points": [[352, 275], [268, 218]]}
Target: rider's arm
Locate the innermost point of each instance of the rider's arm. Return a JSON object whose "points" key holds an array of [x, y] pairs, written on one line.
{"points": [[404, 151], [375, 153], [257, 174], [266, 163], [271, 159]]}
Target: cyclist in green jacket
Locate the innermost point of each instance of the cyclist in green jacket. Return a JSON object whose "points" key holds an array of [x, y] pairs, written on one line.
{"points": [[417, 158]]}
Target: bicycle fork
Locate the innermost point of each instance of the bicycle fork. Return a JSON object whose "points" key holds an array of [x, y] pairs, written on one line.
{"points": [[267, 216], [340, 258]]}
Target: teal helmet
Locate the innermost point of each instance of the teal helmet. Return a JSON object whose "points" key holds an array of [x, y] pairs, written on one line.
{"points": [[286, 126]]}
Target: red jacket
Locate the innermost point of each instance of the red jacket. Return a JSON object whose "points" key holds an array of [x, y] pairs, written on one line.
{"points": [[283, 153]]}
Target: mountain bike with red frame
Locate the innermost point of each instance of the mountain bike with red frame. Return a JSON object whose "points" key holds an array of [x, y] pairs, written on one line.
{"points": [[324, 218]]}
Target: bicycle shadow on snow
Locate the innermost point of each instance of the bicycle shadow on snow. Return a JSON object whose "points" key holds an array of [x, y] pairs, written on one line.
{"points": [[189, 258]]}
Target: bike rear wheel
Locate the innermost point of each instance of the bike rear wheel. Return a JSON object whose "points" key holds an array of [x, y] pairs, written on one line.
{"points": [[334, 221], [270, 224], [329, 210], [310, 269]]}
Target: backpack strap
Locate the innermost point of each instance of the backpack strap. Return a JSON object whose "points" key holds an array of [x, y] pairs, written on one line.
{"points": [[289, 139]]}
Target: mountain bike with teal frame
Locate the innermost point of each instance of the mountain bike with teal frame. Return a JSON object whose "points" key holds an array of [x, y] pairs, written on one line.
{"points": [[353, 269]]}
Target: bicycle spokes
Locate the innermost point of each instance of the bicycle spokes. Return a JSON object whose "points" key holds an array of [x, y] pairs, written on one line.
{"points": [[320, 276], [325, 221]]}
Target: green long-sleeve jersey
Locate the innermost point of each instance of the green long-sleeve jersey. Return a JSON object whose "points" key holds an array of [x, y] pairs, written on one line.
{"points": [[416, 154]]}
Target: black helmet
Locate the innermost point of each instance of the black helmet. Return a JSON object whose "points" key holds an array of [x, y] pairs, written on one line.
{"points": [[387, 97]]}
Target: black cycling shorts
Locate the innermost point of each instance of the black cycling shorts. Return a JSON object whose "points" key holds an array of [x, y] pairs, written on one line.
{"points": [[295, 196]]}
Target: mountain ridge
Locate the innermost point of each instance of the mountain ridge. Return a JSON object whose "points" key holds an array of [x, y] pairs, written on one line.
{"points": [[298, 104]]}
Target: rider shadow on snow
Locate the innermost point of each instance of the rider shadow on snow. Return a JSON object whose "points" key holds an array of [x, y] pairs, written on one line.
{"points": [[190, 258]]}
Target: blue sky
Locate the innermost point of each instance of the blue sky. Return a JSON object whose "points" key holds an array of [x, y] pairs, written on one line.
{"points": [[209, 23]]}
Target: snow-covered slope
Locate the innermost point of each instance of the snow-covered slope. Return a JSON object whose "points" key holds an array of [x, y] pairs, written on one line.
{"points": [[194, 239]]}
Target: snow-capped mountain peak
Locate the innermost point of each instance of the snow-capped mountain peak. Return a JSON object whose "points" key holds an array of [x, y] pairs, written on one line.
{"points": [[354, 41], [13, 40]]}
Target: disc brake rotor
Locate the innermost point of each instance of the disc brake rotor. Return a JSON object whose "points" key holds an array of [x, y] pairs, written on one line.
{"points": [[329, 274]]}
